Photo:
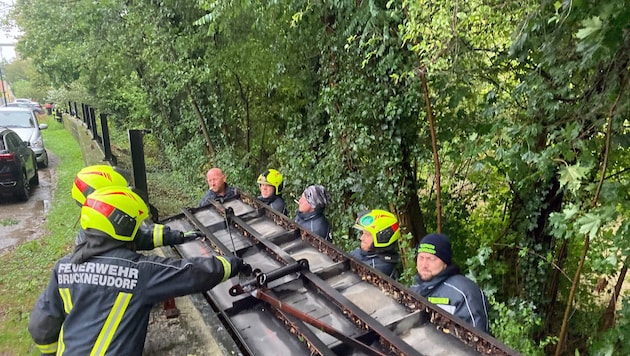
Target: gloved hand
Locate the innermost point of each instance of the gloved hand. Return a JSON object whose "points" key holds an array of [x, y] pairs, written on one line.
{"points": [[236, 263], [191, 235]]}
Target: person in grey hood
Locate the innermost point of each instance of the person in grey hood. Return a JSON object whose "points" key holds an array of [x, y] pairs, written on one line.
{"points": [[441, 282], [310, 214]]}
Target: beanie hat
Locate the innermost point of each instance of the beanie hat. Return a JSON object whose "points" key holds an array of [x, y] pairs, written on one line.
{"points": [[438, 245], [317, 196]]}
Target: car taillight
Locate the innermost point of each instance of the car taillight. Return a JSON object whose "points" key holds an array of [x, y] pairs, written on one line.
{"points": [[7, 157]]}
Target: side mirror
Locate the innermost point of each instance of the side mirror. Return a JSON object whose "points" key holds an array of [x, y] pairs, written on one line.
{"points": [[43, 126]]}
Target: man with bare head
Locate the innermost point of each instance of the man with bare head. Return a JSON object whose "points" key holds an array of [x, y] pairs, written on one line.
{"points": [[219, 190]]}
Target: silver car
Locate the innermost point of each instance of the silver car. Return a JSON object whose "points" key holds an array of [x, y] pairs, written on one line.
{"points": [[24, 122]]}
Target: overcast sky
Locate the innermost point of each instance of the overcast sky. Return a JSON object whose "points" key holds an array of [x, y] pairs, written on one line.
{"points": [[7, 35]]}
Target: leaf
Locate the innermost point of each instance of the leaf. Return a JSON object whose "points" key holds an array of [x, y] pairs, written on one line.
{"points": [[571, 176], [591, 25], [590, 224]]}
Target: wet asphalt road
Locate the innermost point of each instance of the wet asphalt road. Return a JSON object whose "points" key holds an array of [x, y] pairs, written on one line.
{"points": [[23, 221]]}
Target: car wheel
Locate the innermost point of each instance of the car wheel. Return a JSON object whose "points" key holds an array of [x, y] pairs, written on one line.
{"points": [[35, 179], [44, 163], [23, 193]]}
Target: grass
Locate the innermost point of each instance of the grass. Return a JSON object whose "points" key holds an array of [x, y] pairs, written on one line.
{"points": [[24, 272], [8, 222]]}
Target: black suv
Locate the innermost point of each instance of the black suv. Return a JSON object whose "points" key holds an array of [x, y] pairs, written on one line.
{"points": [[18, 166]]}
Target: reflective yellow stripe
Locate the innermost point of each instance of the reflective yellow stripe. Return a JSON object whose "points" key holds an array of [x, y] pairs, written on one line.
{"points": [[438, 300], [158, 235], [67, 307], [111, 324], [227, 268], [61, 347], [47, 349], [67, 299]]}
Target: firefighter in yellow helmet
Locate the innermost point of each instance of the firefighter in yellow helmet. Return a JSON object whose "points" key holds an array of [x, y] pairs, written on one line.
{"points": [[271, 184], [99, 298], [149, 236], [379, 241]]}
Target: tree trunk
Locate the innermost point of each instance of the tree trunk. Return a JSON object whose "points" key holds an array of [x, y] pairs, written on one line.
{"points": [[609, 314], [210, 149]]}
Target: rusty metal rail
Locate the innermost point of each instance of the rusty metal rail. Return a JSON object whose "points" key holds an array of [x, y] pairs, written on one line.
{"points": [[309, 297]]}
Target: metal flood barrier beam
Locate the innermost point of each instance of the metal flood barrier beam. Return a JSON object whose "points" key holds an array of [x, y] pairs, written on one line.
{"points": [[306, 296]]}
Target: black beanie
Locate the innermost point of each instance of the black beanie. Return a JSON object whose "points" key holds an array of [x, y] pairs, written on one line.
{"points": [[437, 244]]}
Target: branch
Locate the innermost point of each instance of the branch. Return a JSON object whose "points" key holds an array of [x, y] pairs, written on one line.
{"points": [[576, 278], [436, 157]]}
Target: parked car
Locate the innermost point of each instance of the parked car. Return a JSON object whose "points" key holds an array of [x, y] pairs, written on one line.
{"points": [[37, 107], [21, 104], [24, 122], [26, 103], [18, 167]]}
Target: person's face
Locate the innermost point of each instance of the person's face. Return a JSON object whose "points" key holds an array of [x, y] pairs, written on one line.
{"points": [[429, 266], [267, 190], [303, 205], [366, 241], [216, 181]]}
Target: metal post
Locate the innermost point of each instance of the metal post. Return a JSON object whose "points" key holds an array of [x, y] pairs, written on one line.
{"points": [[92, 116], [140, 182], [86, 119], [4, 95], [107, 149], [137, 161]]}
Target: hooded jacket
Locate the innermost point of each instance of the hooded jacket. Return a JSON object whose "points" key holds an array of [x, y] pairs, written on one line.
{"points": [[276, 202], [385, 262], [315, 221], [455, 293], [99, 298]]}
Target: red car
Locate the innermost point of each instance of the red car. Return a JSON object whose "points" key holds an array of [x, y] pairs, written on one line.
{"points": [[18, 166]]}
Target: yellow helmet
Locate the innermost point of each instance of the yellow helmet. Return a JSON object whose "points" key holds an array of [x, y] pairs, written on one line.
{"points": [[95, 177], [381, 224], [271, 177], [116, 211]]}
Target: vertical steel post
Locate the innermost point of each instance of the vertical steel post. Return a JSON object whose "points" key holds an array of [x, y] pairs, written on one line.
{"points": [[107, 148], [92, 116], [140, 182], [86, 119], [137, 160]]}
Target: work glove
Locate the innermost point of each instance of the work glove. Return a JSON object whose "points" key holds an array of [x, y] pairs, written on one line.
{"points": [[236, 263], [191, 235]]}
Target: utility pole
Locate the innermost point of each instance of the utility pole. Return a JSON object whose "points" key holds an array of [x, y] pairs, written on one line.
{"points": [[4, 94]]}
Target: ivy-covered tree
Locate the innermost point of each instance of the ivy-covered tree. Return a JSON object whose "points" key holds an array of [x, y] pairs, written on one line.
{"points": [[501, 123]]}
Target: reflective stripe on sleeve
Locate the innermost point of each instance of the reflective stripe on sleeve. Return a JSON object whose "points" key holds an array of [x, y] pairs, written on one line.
{"points": [[47, 349], [158, 235], [227, 267], [111, 324]]}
